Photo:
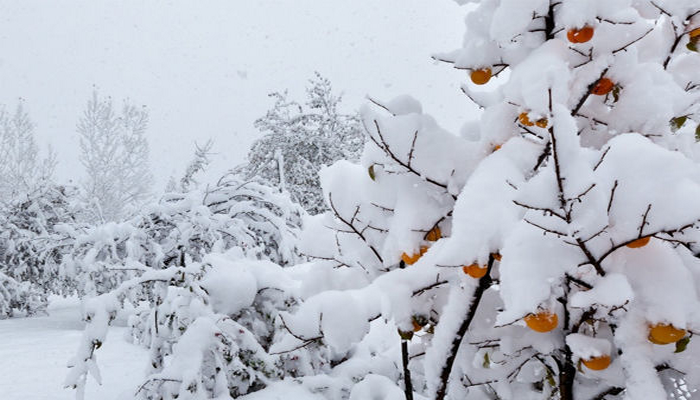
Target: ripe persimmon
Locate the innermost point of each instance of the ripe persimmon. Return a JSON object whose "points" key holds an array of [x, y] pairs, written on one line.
{"points": [[597, 363], [419, 321], [496, 256], [542, 321], [524, 119], [582, 35], [434, 234], [409, 260], [496, 148], [603, 87], [641, 242], [542, 122], [475, 270], [665, 334], [416, 327], [694, 33], [481, 76]]}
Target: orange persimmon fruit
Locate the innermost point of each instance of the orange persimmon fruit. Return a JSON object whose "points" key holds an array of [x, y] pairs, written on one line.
{"points": [[409, 260], [475, 270], [582, 35], [603, 87], [542, 321], [641, 242], [694, 33], [665, 334], [434, 234], [597, 363], [524, 119], [481, 76]]}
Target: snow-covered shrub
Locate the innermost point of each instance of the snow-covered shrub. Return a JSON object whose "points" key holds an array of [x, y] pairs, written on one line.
{"points": [[33, 241], [206, 283], [299, 139], [19, 298], [549, 252], [254, 217]]}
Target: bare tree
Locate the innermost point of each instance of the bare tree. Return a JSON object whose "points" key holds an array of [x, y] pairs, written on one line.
{"points": [[21, 169], [114, 152]]}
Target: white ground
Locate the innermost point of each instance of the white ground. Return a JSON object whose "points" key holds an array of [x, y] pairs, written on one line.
{"points": [[34, 353]]}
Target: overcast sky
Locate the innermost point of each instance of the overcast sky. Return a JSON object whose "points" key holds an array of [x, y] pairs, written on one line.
{"points": [[204, 68]]}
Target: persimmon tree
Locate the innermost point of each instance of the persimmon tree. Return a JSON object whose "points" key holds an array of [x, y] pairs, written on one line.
{"points": [[549, 252]]}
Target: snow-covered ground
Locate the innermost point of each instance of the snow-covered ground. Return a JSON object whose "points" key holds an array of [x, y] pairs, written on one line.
{"points": [[34, 353]]}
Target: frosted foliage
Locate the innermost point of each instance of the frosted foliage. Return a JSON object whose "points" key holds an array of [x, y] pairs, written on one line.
{"points": [[299, 139]]}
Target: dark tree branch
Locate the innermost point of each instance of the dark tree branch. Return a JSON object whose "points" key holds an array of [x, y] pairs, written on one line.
{"points": [[543, 156], [484, 283], [578, 282], [661, 9], [466, 93], [545, 211], [353, 228], [555, 155], [408, 385], [602, 158], [549, 23], [546, 230], [425, 289], [589, 89], [592, 260], [385, 147], [613, 391], [633, 42], [413, 148], [612, 196], [595, 234], [644, 220]]}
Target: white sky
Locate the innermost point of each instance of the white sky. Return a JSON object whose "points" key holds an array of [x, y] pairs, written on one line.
{"points": [[204, 67]]}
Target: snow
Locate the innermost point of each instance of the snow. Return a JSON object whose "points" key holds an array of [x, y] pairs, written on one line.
{"points": [[587, 347], [34, 352], [284, 390], [231, 285], [376, 387], [612, 290]]}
